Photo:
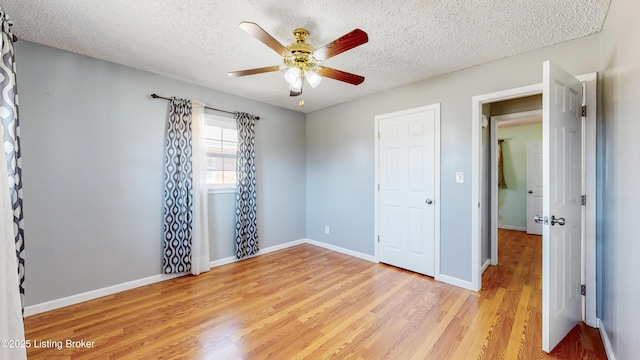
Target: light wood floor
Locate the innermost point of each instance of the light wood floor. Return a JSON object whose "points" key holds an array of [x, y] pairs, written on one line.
{"points": [[307, 302]]}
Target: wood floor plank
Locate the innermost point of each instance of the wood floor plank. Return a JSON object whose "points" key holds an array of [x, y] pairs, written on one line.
{"points": [[481, 327], [516, 338], [307, 302], [428, 340]]}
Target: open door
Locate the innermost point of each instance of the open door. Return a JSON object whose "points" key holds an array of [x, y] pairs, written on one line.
{"points": [[534, 186], [562, 202]]}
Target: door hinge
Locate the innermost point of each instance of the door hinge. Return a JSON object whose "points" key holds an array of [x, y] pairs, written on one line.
{"points": [[584, 200], [378, 187], [378, 238], [583, 290], [379, 132], [584, 110]]}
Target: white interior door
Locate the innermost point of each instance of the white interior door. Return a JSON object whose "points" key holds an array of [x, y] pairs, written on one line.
{"points": [[562, 192], [534, 186], [407, 198]]}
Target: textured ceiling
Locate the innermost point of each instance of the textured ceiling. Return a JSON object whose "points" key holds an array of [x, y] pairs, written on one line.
{"points": [[199, 41]]}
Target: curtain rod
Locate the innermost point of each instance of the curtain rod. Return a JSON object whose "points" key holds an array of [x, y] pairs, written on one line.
{"points": [[156, 96]]}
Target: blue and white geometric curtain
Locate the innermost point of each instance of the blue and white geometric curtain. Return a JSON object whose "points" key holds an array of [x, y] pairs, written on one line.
{"points": [[186, 220], [11, 140], [246, 209], [11, 224], [178, 189]]}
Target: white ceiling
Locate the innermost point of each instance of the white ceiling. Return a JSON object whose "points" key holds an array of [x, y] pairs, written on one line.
{"points": [[199, 41]]}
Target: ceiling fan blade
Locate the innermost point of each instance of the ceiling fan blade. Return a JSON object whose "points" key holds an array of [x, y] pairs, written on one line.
{"points": [[257, 32], [355, 38], [254, 71], [340, 75]]}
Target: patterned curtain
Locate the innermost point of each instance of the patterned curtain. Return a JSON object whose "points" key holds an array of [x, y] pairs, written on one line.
{"points": [[11, 140], [178, 189], [11, 224], [246, 219], [502, 184]]}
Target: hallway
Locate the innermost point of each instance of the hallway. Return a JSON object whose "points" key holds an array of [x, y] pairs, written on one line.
{"points": [[519, 278]]}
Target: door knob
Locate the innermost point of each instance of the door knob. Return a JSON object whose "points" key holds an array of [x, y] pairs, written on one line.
{"points": [[429, 201], [538, 219], [530, 191], [559, 221]]}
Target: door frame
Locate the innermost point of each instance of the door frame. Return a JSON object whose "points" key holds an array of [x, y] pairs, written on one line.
{"points": [[524, 117], [436, 195], [589, 186]]}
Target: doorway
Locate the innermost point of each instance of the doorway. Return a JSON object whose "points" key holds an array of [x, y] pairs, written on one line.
{"points": [[588, 232], [515, 133]]}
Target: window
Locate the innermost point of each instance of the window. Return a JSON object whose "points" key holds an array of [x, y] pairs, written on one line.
{"points": [[221, 141]]}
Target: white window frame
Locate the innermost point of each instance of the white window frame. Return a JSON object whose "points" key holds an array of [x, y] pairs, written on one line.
{"points": [[228, 123]]}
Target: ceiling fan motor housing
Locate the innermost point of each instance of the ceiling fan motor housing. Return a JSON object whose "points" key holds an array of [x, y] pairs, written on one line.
{"points": [[302, 57]]}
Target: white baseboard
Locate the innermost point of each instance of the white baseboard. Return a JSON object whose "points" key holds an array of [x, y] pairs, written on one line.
{"points": [[456, 282], [342, 250], [232, 259], [443, 278], [94, 294], [605, 340], [511, 227], [485, 265], [110, 290]]}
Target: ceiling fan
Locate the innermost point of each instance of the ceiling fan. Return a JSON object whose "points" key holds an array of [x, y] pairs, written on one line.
{"points": [[302, 61]]}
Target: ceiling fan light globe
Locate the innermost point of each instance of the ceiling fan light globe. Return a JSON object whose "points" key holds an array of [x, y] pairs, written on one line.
{"points": [[313, 78], [292, 75], [296, 86]]}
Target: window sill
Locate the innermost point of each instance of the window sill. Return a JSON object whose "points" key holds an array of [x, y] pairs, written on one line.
{"points": [[222, 190]]}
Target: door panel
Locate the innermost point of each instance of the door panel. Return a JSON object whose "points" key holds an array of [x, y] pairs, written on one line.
{"points": [[416, 231], [534, 186], [392, 217], [562, 189], [406, 172]]}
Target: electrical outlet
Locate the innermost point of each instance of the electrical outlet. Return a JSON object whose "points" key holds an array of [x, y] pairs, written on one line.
{"points": [[326, 229]]}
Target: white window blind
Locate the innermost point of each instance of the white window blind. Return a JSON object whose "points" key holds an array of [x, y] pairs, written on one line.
{"points": [[221, 140]]}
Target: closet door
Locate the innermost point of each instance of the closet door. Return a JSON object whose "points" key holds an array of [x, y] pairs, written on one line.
{"points": [[407, 189]]}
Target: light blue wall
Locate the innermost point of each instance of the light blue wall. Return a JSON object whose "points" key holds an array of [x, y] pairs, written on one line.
{"points": [[512, 201], [222, 210], [619, 172], [340, 149], [340, 187], [92, 145]]}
